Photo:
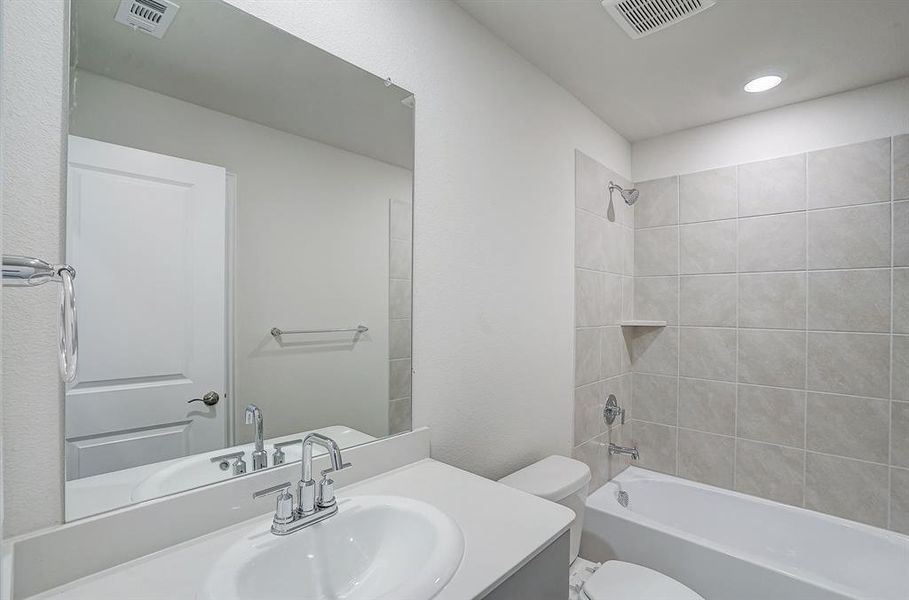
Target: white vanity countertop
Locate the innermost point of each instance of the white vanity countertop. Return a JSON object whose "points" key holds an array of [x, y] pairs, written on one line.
{"points": [[503, 529]]}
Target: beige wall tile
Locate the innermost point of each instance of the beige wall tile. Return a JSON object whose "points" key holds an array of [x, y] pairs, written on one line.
{"points": [[659, 203], [591, 184], [588, 412], [849, 363], [849, 238], [848, 426], [656, 251], [900, 300], [772, 186], [399, 378], [901, 167], [849, 300], [401, 220], [770, 471], [707, 405], [589, 241], [400, 415], [706, 457], [901, 234], [707, 247], [589, 295], [707, 353], [657, 299], [614, 248], [615, 357], [708, 300], [899, 434], [628, 251], [657, 446], [773, 243], [401, 254], [772, 300], [586, 355], [655, 398], [708, 195], [772, 357], [900, 367], [847, 488], [655, 350], [399, 336], [771, 415], [593, 454], [399, 299], [899, 500], [853, 174]]}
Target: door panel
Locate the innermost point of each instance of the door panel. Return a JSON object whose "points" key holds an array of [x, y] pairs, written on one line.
{"points": [[146, 234]]}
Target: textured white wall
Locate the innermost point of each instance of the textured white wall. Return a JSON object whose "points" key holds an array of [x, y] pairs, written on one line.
{"points": [[34, 57], [860, 115], [494, 189]]}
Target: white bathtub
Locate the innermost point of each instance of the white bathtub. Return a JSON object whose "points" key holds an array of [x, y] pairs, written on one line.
{"points": [[731, 546]]}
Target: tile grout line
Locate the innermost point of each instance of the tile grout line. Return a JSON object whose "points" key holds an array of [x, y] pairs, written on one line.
{"points": [[772, 214], [735, 431], [890, 358], [805, 397], [678, 314]]}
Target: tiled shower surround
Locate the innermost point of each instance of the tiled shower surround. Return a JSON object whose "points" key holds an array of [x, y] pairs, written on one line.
{"points": [[784, 369], [400, 286], [604, 264]]}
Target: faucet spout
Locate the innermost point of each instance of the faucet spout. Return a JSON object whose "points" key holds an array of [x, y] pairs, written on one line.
{"points": [[260, 457], [315, 502], [628, 451], [334, 453]]}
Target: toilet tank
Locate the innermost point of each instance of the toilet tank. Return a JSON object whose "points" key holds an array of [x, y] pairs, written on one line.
{"points": [[559, 479]]}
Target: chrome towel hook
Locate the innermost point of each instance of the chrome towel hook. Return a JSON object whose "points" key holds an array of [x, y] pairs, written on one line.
{"points": [[26, 271]]}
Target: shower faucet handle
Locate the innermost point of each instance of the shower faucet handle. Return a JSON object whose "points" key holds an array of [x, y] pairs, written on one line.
{"points": [[612, 410]]}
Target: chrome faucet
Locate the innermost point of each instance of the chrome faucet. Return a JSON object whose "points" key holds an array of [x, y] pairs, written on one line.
{"points": [[315, 502], [616, 449], [260, 456]]}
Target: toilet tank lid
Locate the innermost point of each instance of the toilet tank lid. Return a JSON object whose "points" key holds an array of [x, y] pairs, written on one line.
{"points": [[553, 478]]}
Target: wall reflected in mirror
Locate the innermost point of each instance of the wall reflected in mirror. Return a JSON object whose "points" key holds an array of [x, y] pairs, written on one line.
{"points": [[239, 214]]}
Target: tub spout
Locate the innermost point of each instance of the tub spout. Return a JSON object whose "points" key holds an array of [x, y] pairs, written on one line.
{"points": [[616, 449]]}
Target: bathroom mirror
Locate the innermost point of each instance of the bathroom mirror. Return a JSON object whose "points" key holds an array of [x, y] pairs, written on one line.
{"points": [[239, 216]]}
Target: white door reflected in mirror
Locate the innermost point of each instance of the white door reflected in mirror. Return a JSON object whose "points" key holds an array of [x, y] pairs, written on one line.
{"points": [[210, 202]]}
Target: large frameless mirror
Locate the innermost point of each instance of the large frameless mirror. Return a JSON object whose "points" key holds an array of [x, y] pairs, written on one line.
{"points": [[239, 217]]}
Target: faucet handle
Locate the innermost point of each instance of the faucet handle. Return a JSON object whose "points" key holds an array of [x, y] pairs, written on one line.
{"points": [[332, 469], [284, 505], [278, 457]]}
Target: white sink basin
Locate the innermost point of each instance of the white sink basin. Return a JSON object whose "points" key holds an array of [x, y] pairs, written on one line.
{"points": [[375, 548], [193, 471], [190, 472]]}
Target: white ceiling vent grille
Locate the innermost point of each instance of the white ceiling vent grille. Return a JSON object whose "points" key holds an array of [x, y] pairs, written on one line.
{"points": [[643, 17], [151, 16]]}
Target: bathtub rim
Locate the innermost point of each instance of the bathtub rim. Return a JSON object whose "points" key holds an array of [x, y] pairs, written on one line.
{"points": [[603, 500]]}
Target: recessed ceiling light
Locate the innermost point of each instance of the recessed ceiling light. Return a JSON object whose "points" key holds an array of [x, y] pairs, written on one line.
{"points": [[763, 83]]}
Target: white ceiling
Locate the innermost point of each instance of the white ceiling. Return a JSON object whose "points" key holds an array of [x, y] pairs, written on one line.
{"points": [[693, 72], [220, 57]]}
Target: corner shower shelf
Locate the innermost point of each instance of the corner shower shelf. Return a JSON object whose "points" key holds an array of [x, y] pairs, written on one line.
{"points": [[642, 323]]}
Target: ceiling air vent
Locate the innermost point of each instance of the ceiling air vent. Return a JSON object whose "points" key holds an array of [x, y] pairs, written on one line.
{"points": [[643, 17], [151, 16]]}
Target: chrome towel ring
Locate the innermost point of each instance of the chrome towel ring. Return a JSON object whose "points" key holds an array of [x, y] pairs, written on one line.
{"points": [[26, 271]]}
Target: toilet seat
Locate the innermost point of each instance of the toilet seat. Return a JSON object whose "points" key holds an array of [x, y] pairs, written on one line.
{"points": [[618, 580]]}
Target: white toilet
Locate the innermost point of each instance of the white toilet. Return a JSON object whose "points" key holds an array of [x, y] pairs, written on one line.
{"points": [[566, 481]]}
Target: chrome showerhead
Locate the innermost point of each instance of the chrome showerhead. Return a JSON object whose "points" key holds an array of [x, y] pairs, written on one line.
{"points": [[629, 196]]}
